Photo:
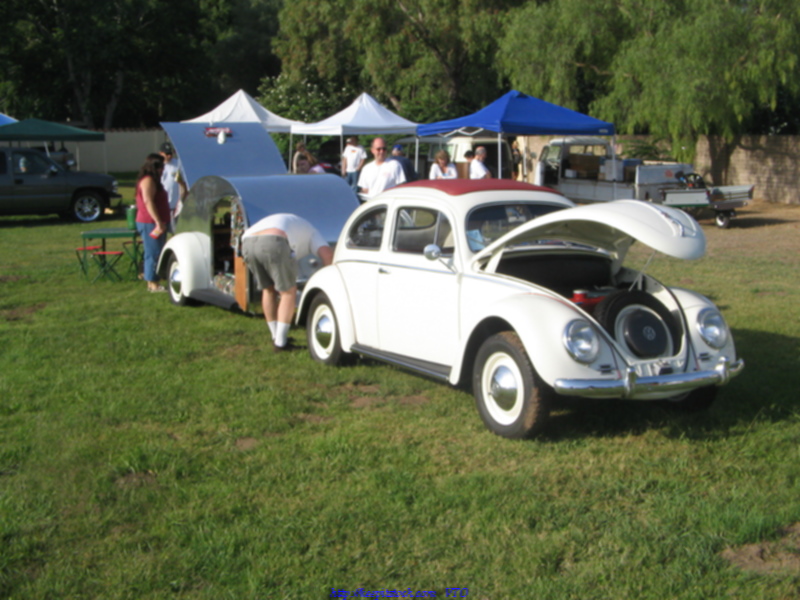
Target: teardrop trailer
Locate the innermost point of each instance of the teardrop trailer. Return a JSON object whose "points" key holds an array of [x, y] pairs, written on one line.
{"points": [[233, 184]]}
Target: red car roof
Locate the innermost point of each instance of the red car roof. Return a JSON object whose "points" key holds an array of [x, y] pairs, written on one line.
{"points": [[458, 187]]}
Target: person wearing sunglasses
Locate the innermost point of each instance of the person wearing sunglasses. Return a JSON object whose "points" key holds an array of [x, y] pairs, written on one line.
{"points": [[381, 174]]}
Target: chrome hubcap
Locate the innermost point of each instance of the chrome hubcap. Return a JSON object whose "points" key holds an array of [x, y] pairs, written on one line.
{"points": [[324, 331], [503, 387], [86, 208], [175, 281]]}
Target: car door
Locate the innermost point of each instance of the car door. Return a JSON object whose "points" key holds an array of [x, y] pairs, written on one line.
{"points": [[359, 269], [418, 308], [39, 186]]}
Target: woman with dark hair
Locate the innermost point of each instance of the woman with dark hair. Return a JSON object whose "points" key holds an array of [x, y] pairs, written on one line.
{"points": [[152, 216]]}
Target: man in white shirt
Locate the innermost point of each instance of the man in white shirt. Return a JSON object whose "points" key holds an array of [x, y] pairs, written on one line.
{"points": [[171, 181], [353, 158], [380, 174], [478, 170], [271, 248]]}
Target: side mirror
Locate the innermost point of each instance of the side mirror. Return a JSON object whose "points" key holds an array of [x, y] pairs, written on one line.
{"points": [[432, 252], [52, 171]]}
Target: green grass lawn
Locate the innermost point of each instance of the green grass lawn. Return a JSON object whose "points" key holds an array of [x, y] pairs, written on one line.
{"points": [[150, 451]]}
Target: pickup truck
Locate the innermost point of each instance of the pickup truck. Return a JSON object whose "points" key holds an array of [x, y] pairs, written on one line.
{"points": [[585, 170], [33, 184]]}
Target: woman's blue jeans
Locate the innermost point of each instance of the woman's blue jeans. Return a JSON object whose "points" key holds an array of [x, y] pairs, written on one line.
{"points": [[152, 249]]}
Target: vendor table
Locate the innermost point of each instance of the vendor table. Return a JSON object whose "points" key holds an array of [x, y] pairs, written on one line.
{"points": [[130, 247]]}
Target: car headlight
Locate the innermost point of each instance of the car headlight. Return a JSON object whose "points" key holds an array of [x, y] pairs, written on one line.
{"points": [[581, 341], [712, 328]]}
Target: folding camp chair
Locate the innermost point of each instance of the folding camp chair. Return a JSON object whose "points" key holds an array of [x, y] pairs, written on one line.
{"points": [[107, 261], [83, 257]]}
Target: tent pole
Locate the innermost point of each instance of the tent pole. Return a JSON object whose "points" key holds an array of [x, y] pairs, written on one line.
{"points": [[614, 165], [499, 155], [289, 158]]}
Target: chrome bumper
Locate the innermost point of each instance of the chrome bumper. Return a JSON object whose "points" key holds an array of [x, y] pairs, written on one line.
{"points": [[633, 386]]}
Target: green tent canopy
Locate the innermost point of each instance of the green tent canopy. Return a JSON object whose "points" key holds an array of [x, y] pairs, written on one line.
{"points": [[36, 130]]}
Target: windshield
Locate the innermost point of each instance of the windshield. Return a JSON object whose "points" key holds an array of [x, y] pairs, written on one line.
{"points": [[487, 223]]}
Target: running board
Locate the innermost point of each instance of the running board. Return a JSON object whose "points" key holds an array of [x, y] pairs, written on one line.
{"points": [[435, 370]]}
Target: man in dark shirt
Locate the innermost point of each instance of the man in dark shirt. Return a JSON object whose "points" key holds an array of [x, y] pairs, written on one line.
{"points": [[408, 168]]}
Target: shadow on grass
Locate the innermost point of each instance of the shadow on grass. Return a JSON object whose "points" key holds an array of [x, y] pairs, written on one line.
{"points": [[9, 222], [764, 392], [746, 220], [48, 220], [752, 221]]}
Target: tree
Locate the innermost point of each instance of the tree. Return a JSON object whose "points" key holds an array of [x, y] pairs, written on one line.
{"points": [[239, 43], [428, 59], [676, 69], [305, 100], [561, 51], [132, 62]]}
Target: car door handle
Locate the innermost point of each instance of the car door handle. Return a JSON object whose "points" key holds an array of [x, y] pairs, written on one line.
{"points": [[19, 181]]}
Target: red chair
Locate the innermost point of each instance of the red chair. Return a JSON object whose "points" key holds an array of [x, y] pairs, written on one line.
{"points": [[83, 257]]}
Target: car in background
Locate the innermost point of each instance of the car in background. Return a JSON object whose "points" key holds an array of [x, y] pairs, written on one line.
{"points": [[33, 184], [509, 287]]}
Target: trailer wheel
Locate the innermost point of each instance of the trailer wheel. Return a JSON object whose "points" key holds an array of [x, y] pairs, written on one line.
{"points": [[723, 219]]}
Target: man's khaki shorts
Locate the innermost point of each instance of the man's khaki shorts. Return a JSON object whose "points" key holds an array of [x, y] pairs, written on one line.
{"points": [[271, 260]]}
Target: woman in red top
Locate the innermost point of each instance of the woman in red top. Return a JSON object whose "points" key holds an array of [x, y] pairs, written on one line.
{"points": [[152, 216]]}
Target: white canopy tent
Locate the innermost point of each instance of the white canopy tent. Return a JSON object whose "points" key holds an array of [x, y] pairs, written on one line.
{"points": [[243, 108], [364, 116]]}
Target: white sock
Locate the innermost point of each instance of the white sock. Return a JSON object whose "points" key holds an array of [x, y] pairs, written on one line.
{"points": [[281, 333], [273, 326]]}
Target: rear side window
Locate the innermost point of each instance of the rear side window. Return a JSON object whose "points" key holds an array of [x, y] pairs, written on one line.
{"points": [[418, 227]]}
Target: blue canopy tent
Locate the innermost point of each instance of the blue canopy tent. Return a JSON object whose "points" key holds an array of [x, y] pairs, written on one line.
{"points": [[516, 113]]}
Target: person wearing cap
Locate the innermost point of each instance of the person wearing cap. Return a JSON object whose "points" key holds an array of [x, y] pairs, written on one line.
{"points": [[408, 168], [478, 170], [271, 248], [353, 159], [172, 182], [380, 174]]}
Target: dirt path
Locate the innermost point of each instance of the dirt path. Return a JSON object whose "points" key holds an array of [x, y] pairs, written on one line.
{"points": [[759, 226]]}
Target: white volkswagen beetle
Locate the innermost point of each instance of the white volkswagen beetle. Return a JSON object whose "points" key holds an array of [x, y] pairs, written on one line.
{"points": [[506, 285]]}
